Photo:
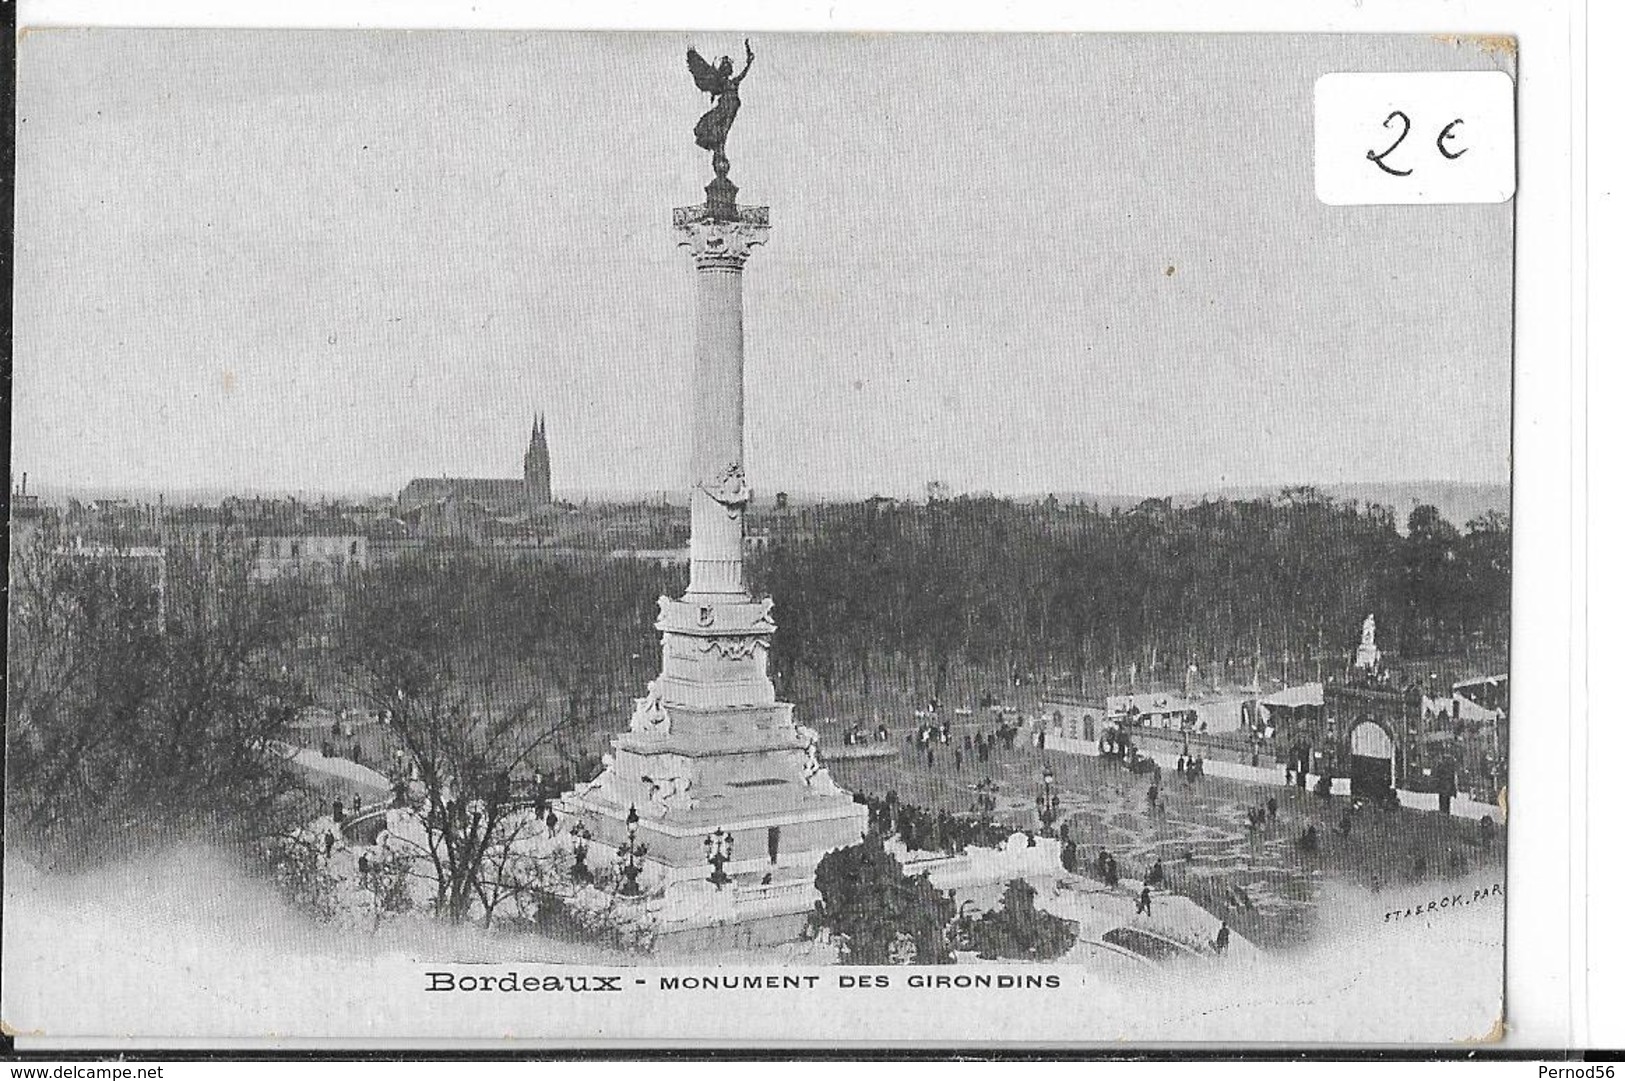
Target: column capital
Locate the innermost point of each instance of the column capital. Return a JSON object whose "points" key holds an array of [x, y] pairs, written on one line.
{"points": [[720, 243]]}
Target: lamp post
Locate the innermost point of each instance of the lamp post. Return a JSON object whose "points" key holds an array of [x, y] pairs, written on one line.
{"points": [[631, 866], [1049, 802], [719, 849], [582, 835]]}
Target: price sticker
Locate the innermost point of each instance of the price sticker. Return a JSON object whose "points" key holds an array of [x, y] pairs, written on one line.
{"points": [[1415, 137]]}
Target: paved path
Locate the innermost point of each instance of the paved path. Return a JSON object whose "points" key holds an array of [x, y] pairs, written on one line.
{"points": [[342, 768], [1260, 879], [1168, 759]]}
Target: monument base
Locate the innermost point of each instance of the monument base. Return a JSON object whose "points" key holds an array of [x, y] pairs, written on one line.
{"points": [[764, 906], [774, 834], [712, 763]]}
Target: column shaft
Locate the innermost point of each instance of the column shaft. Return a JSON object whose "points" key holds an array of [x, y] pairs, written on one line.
{"points": [[717, 530], [717, 500]]}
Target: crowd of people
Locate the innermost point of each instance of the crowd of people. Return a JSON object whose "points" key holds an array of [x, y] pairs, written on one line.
{"points": [[1117, 745], [934, 738], [857, 736], [920, 829]]}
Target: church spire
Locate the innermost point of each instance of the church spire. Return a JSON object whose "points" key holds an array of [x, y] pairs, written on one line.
{"points": [[538, 464]]}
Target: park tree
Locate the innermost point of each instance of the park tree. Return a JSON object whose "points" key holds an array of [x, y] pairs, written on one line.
{"points": [[1434, 583], [1019, 928], [421, 646], [1486, 554], [877, 914], [147, 697], [484, 672]]}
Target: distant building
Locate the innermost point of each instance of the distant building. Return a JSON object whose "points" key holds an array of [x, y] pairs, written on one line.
{"points": [[27, 514], [324, 550], [1152, 710], [1075, 717], [498, 496], [452, 516], [1296, 715], [660, 557]]}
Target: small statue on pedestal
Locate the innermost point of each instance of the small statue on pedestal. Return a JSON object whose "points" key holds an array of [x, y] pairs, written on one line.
{"points": [[813, 773], [1368, 657]]}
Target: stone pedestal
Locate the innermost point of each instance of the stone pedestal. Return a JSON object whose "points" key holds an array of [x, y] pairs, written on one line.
{"points": [[1367, 655], [710, 747]]}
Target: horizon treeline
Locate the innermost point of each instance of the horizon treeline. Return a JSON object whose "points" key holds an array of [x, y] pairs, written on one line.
{"points": [[1048, 591]]}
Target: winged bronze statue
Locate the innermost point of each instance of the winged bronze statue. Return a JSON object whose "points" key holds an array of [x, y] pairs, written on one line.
{"points": [[711, 133]]}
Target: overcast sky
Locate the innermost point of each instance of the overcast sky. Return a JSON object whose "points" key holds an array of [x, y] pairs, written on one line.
{"points": [[335, 261]]}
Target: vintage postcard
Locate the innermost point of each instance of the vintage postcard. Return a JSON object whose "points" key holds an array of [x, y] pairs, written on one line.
{"points": [[760, 539]]}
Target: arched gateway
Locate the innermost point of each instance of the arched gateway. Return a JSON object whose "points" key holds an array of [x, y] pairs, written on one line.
{"points": [[1371, 760]]}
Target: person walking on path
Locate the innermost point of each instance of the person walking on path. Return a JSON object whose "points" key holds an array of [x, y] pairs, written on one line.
{"points": [[1143, 906], [1222, 942]]}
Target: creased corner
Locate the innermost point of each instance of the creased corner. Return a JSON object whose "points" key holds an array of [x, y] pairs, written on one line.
{"points": [[7, 1029], [1491, 44], [1497, 1032]]}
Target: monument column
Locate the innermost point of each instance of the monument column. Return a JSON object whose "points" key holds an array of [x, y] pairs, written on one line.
{"points": [[720, 238], [712, 757]]}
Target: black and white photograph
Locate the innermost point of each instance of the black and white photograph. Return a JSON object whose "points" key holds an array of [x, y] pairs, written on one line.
{"points": [[735, 536]]}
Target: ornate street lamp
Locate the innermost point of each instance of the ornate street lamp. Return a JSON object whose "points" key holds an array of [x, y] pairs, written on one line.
{"points": [[719, 849], [631, 864], [1049, 802], [582, 835]]}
